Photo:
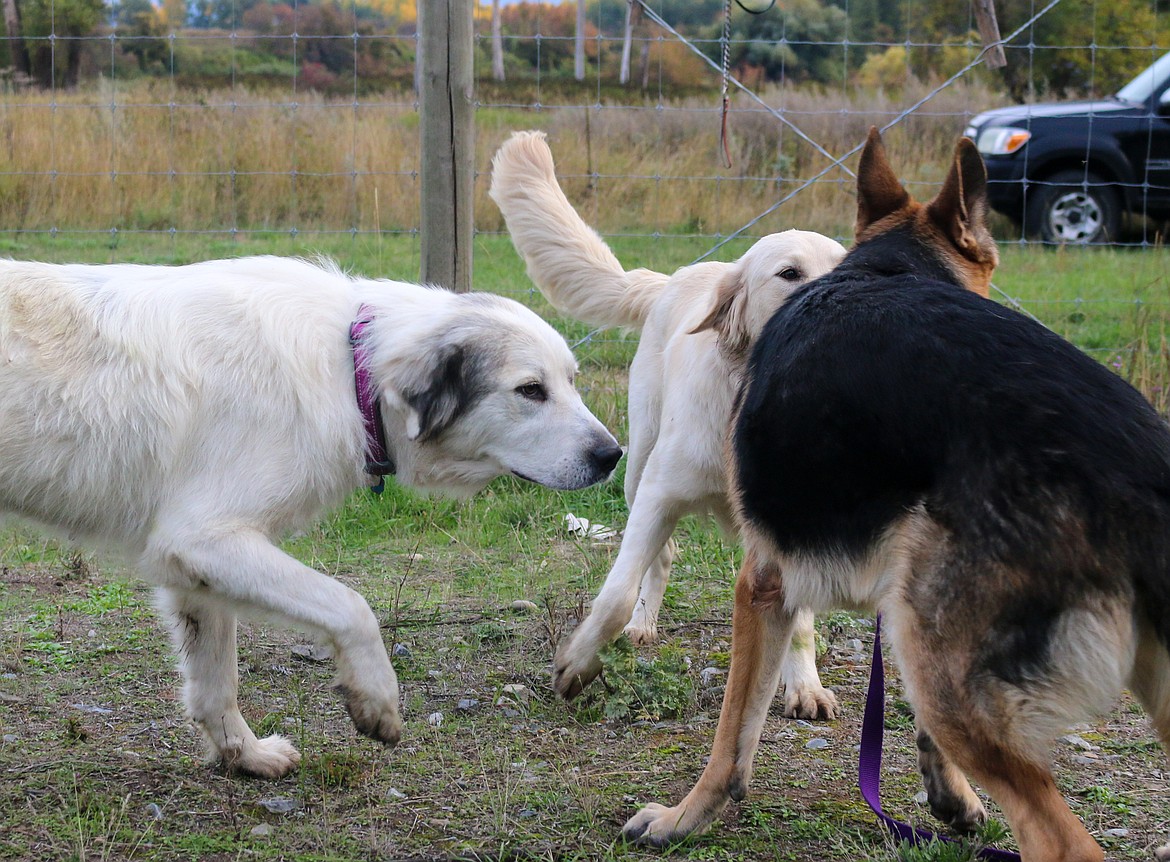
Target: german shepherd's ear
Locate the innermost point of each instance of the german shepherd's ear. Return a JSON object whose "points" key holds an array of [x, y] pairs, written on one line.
{"points": [[728, 316], [879, 193], [960, 208]]}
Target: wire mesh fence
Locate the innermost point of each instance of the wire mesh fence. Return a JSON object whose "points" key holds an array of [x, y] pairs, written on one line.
{"points": [[231, 119]]}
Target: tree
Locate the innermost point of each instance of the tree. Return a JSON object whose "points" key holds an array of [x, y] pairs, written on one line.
{"points": [[141, 24], [57, 28], [800, 39], [17, 48], [1060, 63]]}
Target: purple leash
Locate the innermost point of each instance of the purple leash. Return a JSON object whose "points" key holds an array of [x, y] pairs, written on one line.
{"points": [[869, 765]]}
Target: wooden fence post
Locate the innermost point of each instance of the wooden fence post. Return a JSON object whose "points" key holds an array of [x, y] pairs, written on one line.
{"points": [[446, 141]]}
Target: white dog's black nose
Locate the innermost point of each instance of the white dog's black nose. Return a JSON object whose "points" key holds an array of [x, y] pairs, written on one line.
{"points": [[606, 456]]}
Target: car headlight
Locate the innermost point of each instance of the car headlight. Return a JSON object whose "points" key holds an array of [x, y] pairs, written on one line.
{"points": [[1002, 141]]}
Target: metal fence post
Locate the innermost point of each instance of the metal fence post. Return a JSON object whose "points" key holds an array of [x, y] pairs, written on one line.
{"points": [[446, 141]]}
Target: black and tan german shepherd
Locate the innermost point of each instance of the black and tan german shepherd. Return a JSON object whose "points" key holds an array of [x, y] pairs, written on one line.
{"points": [[904, 444]]}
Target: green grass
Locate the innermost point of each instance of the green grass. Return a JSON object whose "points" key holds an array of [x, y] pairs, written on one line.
{"points": [[96, 762]]}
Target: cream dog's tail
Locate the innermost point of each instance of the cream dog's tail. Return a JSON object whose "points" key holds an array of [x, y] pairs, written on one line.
{"points": [[567, 260]]}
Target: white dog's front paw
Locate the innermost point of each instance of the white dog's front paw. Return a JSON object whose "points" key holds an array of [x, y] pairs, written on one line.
{"points": [[659, 826], [576, 663], [270, 757], [373, 716], [810, 701]]}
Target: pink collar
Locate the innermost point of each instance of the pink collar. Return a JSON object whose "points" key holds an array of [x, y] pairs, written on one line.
{"points": [[378, 462]]}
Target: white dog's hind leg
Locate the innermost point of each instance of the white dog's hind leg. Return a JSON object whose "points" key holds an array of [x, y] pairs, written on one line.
{"points": [[652, 520], [643, 625], [244, 571], [204, 638], [804, 696]]}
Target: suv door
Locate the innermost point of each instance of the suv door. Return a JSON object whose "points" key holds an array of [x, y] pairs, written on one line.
{"points": [[1158, 163]]}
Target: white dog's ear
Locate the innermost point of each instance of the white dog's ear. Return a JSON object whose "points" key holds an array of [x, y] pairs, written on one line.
{"points": [[728, 316], [443, 388]]}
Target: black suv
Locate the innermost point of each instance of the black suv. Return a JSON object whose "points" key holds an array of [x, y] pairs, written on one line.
{"points": [[1068, 171]]}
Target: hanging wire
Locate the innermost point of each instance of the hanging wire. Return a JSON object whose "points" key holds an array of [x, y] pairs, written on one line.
{"points": [[725, 68]]}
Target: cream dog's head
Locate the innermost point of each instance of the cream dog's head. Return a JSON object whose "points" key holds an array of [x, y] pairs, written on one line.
{"points": [[759, 282]]}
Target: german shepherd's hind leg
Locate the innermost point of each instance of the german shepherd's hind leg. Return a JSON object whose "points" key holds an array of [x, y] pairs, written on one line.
{"points": [[1150, 683], [760, 630], [992, 699], [948, 792]]}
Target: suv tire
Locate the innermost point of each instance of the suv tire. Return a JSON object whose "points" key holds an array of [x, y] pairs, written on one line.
{"points": [[1073, 208]]}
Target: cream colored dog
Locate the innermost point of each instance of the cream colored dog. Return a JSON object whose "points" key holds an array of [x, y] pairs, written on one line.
{"points": [[188, 416], [696, 327]]}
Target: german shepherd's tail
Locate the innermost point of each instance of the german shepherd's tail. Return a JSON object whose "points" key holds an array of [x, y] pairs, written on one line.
{"points": [[567, 260]]}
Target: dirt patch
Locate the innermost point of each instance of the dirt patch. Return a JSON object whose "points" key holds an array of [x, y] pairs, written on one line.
{"points": [[96, 761]]}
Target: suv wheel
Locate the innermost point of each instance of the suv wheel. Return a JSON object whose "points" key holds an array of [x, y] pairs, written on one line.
{"points": [[1073, 207]]}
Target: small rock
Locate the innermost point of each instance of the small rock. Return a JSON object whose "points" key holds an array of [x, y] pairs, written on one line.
{"points": [[1117, 833], [525, 606], [10, 738], [817, 744], [311, 653], [92, 633], [94, 710], [261, 829], [434, 674], [279, 805], [1078, 742], [395, 793], [154, 811], [920, 797], [435, 719], [853, 645], [708, 674], [467, 703], [518, 692], [527, 814], [402, 651]]}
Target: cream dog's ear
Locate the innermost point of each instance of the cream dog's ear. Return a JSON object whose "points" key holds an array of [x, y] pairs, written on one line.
{"points": [[728, 316]]}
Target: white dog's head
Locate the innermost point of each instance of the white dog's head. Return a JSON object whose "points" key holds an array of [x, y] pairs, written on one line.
{"points": [[489, 391], [760, 281]]}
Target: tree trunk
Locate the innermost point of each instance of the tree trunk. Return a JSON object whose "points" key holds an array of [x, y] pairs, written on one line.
{"points": [[17, 47], [579, 46], [627, 38], [497, 43]]}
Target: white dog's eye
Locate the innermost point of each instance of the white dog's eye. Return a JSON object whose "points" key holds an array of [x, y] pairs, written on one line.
{"points": [[790, 273], [532, 391]]}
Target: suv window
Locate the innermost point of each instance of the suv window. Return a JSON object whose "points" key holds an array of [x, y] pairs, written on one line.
{"points": [[1146, 83]]}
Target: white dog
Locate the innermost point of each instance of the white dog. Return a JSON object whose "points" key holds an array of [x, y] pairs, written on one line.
{"points": [[696, 327], [186, 416]]}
